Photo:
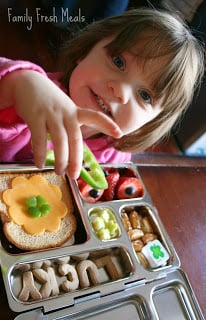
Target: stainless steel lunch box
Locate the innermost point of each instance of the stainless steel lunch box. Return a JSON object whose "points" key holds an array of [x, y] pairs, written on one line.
{"points": [[136, 292]]}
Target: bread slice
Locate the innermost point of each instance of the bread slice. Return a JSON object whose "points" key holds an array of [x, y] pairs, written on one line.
{"points": [[16, 234]]}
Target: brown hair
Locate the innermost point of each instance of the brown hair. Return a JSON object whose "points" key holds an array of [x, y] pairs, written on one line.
{"points": [[177, 81]]}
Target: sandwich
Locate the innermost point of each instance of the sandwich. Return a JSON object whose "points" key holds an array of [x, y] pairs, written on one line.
{"points": [[36, 209]]}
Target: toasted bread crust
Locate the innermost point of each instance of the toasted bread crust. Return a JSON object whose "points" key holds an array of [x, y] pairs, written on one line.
{"points": [[16, 234]]}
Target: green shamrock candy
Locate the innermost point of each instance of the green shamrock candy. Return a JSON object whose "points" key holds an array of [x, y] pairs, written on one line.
{"points": [[156, 251]]}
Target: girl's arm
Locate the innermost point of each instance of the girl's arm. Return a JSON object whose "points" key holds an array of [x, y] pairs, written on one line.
{"points": [[8, 66], [47, 109]]}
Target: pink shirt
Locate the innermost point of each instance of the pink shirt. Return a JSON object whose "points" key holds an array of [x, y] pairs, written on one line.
{"points": [[15, 137]]}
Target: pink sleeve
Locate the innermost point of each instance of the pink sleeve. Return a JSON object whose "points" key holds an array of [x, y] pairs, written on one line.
{"points": [[14, 133], [7, 65], [106, 153]]}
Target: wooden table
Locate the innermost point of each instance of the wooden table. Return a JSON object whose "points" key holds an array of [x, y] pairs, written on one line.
{"points": [[177, 186]]}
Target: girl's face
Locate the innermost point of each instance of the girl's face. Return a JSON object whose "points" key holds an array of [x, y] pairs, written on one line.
{"points": [[118, 86]]}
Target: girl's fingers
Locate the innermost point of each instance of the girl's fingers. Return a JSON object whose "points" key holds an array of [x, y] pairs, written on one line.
{"points": [[39, 142], [68, 148], [99, 121], [61, 149], [66, 137], [75, 154]]}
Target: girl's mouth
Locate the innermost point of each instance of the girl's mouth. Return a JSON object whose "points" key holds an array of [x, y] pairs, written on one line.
{"points": [[102, 105]]}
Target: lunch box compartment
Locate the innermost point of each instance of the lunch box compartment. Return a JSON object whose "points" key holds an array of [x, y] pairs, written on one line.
{"points": [[79, 237], [52, 278], [90, 195], [142, 227]]}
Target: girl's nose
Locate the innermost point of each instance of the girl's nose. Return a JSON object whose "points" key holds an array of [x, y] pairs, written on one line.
{"points": [[120, 91]]}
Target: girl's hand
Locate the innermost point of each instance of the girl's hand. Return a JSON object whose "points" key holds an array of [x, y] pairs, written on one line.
{"points": [[47, 109]]}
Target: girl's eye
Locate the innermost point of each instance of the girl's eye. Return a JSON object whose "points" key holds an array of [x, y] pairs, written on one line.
{"points": [[119, 62], [145, 96]]}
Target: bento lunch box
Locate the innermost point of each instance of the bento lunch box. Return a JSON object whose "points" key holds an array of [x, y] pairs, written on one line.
{"points": [[134, 274]]}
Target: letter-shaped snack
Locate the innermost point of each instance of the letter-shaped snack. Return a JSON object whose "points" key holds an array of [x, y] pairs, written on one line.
{"points": [[29, 289], [49, 282], [84, 268], [111, 268], [73, 281], [62, 260], [40, 264]]}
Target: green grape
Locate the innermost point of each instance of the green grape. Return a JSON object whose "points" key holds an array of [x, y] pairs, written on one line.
{"points": [[40, 200], [112, 226], [96, 211], [111, 215], [31, 202], [105, 215], [104, 223], [45, 208], [98, 223], [104, 234], [93, 216], [35, 212]]}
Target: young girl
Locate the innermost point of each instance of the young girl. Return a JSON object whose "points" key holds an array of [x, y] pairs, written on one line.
{"points": [[125, 82]]}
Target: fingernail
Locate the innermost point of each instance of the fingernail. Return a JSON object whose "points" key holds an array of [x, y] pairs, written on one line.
{"points": [[73, 175], [118, 133], [60, 172], [39, 164]]}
